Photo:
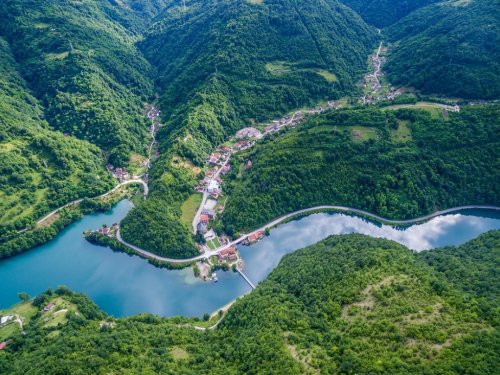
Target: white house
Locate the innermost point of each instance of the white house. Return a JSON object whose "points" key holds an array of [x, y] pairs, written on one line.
{"points": [[214, 187]]}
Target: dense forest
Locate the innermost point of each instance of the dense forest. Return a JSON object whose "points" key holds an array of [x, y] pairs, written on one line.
{"points": [[359, 158], [384, 13], [348, 304], [40, 169], [449, 48], [80, 61], [223, 64]]}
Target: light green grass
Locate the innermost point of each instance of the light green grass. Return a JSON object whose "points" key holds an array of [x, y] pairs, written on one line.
{"points": [[403, 134], [216, 242], [9, 330], [190, 207], [56, 319], [179, 353], [330, 77], [210, 245], [53, 56]]}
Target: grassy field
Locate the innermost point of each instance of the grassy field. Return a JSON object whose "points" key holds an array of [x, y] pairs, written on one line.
{"points": [[56, 319], [403, 133], [210, 245], [190, 207], [9, 330], [330, 77], [216, 242], [358, 133]]}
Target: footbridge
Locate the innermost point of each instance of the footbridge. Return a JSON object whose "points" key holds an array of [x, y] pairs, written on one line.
{"points": [[246, 278]]}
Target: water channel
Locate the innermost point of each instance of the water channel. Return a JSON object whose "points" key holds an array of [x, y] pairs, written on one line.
{"points": [[124, 285]]}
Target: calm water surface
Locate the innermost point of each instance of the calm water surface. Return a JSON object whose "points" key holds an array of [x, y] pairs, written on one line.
{"points": [[124, 285]]}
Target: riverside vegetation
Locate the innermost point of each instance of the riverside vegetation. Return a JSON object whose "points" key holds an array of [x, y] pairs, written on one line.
{"points": [[348, 304], [359, 158]]}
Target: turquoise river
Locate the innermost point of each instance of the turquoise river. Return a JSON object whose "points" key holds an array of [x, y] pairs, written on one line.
{"points": [[124, 285]]}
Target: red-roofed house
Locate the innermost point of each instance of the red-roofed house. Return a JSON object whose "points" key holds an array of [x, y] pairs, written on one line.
{"points": [[226, 253], [256, 236], [204, 219], [3, 345], [105, 230]]}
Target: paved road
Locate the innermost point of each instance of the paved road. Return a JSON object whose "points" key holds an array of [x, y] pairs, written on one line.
{"points": [[210, 253], [196, 219], [146, 190]]}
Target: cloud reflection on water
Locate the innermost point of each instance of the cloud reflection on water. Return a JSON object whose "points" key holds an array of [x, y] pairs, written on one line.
{"points": [[455, 229]]}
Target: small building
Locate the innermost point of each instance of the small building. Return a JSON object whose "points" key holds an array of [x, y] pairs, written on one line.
{"points": [[5, 319], [114, 224], [48, 307], [105, 230], [204, 219], [248, 164], [214, 187], [209, 212], [226, 253], [3, 345], [221, 208], [202, 228], [255, 237]]}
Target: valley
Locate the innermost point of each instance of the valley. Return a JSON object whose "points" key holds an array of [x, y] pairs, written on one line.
{"points": [[326, 171]]}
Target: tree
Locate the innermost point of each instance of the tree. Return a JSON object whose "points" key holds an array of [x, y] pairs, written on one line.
{"points": [[267, 231], [206, 317], [24, 296], [105, 225]]}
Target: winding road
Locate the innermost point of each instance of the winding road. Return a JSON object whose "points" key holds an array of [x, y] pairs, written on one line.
{"points": [[138, 181], [210, 253]]}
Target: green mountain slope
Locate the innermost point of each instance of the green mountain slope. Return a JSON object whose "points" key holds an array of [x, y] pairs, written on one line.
{"points": [[384, 13], [348, 304], [39, 169], [223, 64], [449, 48], [359, 159], [80, 61]]}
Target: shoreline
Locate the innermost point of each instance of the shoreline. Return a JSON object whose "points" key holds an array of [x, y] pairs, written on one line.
{"points": [[306, 212]]}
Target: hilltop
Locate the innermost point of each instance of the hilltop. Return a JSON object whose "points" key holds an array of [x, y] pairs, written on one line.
{"points": [[348, 304], [449, 48], [40, 169], [80, 61]]}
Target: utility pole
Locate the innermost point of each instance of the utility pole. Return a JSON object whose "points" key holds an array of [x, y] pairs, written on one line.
{"points": [[71, 45]]}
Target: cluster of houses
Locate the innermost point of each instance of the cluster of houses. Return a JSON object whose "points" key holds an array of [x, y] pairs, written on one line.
{"points": [[119, 173], [106, 231], [153, 113], [212, 185], [248, 133]]}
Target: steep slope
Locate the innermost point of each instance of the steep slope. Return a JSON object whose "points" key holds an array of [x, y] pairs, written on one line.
{"points": [[39, 169], [450, 48], [223, 64], [360, 159], [384, 13], [348, 304], [80, 61]]}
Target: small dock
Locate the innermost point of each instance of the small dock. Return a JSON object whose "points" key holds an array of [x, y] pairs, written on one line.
{"points": [[246, 278]]}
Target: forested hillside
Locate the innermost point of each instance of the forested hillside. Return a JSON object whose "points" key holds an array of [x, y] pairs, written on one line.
{"points": [[39, 169], [384, 13], [223, 64], [449, 48], [361, 159], [80, 61], [348, 304]]}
